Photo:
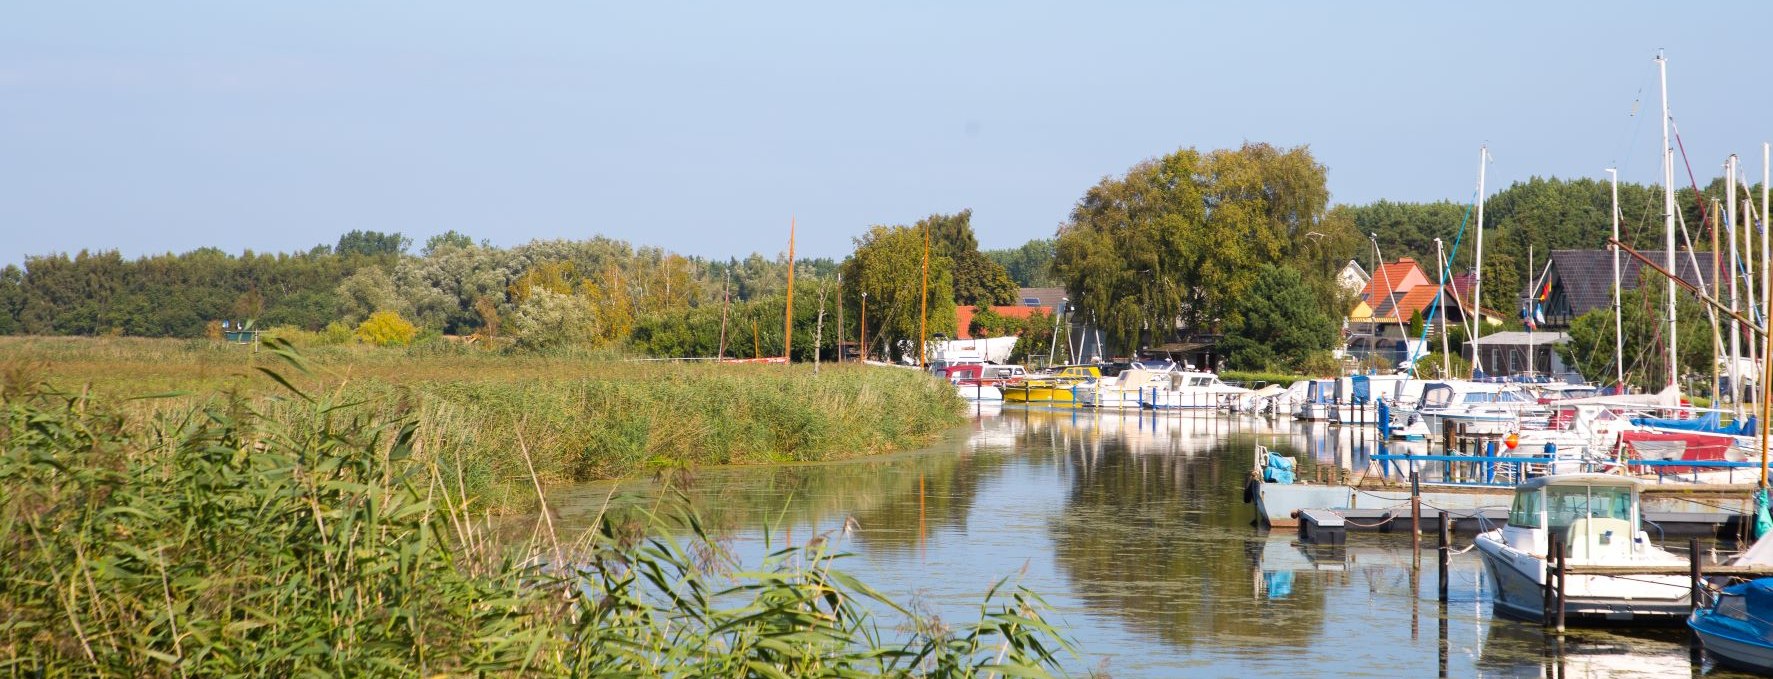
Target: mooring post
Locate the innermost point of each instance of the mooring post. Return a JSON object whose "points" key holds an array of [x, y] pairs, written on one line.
{"points": [[1693, 573], [1563, 578], [1446, 552], [1415, 512]]}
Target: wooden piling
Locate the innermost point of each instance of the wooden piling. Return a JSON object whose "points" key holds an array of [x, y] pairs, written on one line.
{"points": [[1550, 574], [1693, 573], [1446, 552], [1415, 513]]}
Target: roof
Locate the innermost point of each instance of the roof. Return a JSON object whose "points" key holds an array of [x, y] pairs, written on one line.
{"points": [[1049, 297], [1393, 277], [1586, 276], [1518, 338], [963, 317], [1580, 480]]}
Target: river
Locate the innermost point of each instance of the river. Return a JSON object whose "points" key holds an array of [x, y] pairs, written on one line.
{"points": [[1132, 527]]}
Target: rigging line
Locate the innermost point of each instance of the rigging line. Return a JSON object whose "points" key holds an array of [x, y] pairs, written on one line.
{"points": [[1446, 271], [1692, 181]]}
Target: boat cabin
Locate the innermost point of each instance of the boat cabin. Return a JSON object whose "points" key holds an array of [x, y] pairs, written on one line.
{"points": [[988, 372], [1595, 516], [1443, 395]]}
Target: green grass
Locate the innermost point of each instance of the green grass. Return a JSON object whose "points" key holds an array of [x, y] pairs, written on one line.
{"points": [[275, 533], [478, 413]]}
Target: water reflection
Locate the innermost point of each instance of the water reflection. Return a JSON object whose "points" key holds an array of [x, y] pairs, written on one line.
{"points": [[1132, 526]]}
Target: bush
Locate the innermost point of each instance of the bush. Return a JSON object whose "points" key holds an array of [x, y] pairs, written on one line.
{"points": [[386, 328]]}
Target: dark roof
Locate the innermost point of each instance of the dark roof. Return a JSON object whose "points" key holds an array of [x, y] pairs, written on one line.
{"points": [[1585, 277], [1049, 297]]}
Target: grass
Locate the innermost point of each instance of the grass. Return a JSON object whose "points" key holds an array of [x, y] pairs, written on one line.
{"points": [[581, 418], [290, 532]]}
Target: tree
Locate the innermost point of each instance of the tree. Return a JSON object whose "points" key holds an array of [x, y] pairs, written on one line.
{"points": [[1280, 322], [1030, 266], [977, 279], [1183, 236], [372, 244], [888, 265], [1590, 349], [385, 329], [447, 239]]}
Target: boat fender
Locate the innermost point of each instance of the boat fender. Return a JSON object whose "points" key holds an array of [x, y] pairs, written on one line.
{"points": [[1251, 486]]}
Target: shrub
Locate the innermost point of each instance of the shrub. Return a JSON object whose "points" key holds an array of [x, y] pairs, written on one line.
{"points": [[386, 328]]}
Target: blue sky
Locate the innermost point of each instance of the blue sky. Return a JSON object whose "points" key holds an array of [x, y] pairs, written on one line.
{"points": [[155, 127]]}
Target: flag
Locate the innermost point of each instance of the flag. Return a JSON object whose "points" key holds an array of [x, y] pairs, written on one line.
{"points": [[1546, 293], [1539, 313]]}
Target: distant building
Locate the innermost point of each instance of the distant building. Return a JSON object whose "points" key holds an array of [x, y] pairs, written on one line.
{"points": [[1507, 354], [1046, 298], [1352, 277], [1576, 282]]}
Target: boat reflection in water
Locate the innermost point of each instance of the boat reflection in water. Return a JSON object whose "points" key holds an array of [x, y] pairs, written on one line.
{"points": [[1131, 525]]}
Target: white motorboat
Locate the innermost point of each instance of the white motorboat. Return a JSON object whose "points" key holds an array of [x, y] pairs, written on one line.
{"points": [[1187, 389], [1121, 391], [1483, 407], [1595, 518]]}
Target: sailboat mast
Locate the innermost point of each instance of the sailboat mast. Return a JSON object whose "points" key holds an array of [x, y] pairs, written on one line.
{"points": [[788, 314], [1477, 278], [1730, 215], [1767, 348], [1618, 308], [1440, 259], [923, 303], [1668, 224]]}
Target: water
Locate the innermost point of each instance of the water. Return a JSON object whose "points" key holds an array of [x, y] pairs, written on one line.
{"points": [[1132, 527]]}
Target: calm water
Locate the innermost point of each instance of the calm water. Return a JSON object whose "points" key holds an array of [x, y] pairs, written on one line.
{"points": [[1133, 528]]}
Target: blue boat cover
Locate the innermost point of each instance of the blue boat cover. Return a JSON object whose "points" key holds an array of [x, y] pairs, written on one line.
{"points": [[1707, 424], [1384, 419], [1278, 470], [1363, 389]]}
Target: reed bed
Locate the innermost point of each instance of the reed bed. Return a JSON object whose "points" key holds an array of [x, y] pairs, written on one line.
{"points": [[582, 417], [327, 533]]}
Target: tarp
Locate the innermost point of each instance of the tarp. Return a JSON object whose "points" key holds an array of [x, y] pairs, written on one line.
{"points": [[1363, 389], [1279, 469], [1707, 423]]}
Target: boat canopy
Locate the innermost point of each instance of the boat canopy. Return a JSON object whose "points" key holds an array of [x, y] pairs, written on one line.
{"points": [[1707, 423]]}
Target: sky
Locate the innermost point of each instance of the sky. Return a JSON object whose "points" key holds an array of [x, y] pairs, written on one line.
{"points": [[704, 128]]}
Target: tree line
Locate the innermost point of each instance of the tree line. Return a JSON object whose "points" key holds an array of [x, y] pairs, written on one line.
{"points": [[1238, 243]]}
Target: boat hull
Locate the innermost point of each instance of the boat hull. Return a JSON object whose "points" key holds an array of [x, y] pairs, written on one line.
{"points": [[1732, 646], [1519, 586], [1027, 394], [979, 392]]}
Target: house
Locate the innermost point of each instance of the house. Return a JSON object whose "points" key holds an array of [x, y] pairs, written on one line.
{"points": [[963, 317], [1576, 282], [1353, 277], [1513, 353], [1047, 298]]}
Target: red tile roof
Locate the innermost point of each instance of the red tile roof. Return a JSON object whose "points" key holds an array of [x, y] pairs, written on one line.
{"points": [[1400, 276]]}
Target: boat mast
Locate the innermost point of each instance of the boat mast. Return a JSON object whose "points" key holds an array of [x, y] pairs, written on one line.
{"points": [[788, 314], [1730, 215], [1668, 225], [1767, 348], [1477, 278], [1532, 300], [1618, 309], [923, 302], [1440, 259]]}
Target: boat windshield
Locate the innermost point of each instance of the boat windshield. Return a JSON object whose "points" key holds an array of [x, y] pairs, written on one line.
{"points": [[1437, 396], [1567, 504], [1199, 381]]}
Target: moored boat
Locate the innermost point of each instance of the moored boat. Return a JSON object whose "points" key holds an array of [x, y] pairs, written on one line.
{"points": [[1595, 519], [1059, 387], [1737, 627]]}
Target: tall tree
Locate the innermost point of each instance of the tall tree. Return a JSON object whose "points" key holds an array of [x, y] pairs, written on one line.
{"points": [[977, 279], [372, 244], [888, 265]]}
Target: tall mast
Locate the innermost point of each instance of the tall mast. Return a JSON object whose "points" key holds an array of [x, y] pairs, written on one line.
{"points": [[1618, 309], [923, 303], [1532, 300], [1440, 260], [1730, 215], [1668, 225], [788, 314], [1477, 278]]}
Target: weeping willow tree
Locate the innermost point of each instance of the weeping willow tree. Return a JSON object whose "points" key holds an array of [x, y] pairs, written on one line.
{"points": [[1183, 236]]}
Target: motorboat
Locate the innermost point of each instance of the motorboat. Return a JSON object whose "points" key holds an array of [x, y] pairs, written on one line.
{"points": [[1481, 407], [1058, 387], [980, 381], [1319, 399], [1595, 518], [1122, 391], [1737, 627], [1190, 389]]}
